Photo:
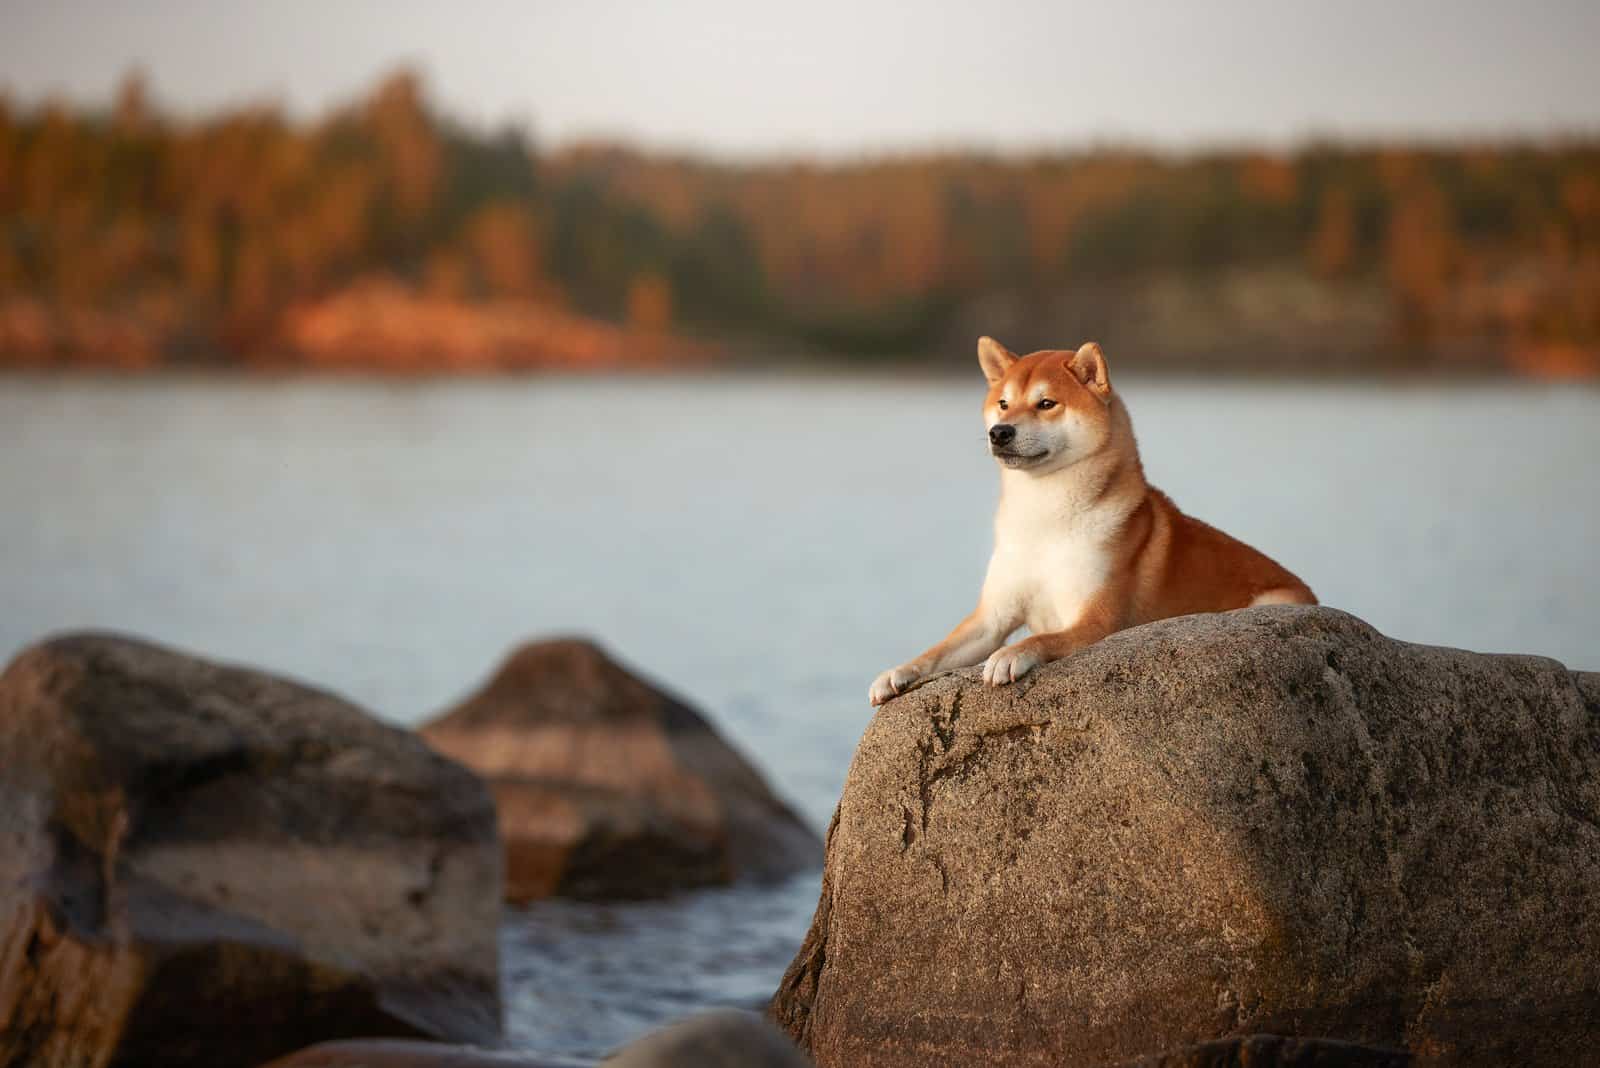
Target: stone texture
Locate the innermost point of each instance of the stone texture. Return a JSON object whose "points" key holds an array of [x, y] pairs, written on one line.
{"points": [[726, 1038], [203, 865], [608, 787], [1275, 1051], [1273, 821]]}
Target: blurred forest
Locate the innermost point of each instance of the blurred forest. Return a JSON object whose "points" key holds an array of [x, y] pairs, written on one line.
{"points": [[386, 236]]}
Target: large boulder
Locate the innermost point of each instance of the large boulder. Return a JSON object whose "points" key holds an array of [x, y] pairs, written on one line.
{"points": [[608, 787], [1273, 821], [205, 865]]}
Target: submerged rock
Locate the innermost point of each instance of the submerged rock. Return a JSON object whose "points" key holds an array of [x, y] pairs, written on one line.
{"points": [[203, 865], [608, 787], [1272, 821]]}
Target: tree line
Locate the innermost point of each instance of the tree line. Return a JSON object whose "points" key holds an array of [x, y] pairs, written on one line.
{"points": [[199, 236]]}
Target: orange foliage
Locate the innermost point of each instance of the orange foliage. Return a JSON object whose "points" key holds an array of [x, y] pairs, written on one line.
{"points": [[1557, 362], [379, 324], [133, 238], [650, 304]]}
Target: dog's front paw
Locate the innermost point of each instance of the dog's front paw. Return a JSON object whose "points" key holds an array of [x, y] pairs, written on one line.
{"points": [[1009, 664], [892, 683]]}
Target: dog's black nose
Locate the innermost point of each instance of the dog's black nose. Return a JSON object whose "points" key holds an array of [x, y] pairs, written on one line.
{"points": [[1001, 434]]}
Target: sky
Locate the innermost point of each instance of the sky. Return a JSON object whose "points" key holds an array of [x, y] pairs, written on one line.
{"points": [[742, 78]]}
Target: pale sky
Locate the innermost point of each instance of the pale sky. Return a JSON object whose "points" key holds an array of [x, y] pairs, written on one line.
{"points": [[742, 77]]}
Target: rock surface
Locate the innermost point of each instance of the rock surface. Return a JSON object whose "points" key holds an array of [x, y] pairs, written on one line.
{"points": [[204, 865], [610, 788], [724, 1039], [1272, 821], [1275, 1051]]}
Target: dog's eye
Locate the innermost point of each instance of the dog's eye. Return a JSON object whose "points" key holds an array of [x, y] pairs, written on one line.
{"points": [[1046, 404], [1004, 406]]}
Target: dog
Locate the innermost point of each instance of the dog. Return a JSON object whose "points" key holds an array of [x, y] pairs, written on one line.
{"points": [[1083, 545]]}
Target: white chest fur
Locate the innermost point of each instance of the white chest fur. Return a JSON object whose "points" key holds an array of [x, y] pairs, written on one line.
{"points": [[1053, 553]]}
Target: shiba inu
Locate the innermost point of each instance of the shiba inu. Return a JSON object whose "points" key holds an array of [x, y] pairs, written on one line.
{"points": [[1083, 545]]}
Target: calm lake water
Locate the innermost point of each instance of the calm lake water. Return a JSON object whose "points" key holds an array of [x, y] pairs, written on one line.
{"points": [[763, 544]]}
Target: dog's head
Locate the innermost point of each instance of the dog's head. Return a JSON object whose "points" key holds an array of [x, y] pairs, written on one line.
{"points": [[1048, 409]]}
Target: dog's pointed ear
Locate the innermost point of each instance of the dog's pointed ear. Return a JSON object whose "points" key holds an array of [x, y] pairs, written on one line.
{"points": [[994, 358], [1089, 367]]}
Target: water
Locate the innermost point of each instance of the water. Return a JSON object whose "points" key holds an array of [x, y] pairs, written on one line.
{"points": [[763, 544]]}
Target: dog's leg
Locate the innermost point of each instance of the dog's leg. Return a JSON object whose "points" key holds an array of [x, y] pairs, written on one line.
{"points": [[1009, 664], [973, 639]]}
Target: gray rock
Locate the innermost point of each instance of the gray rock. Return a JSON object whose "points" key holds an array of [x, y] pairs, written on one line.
{"points": [[1273, 821], [727, 1038], [203, 865], [608, 787]]}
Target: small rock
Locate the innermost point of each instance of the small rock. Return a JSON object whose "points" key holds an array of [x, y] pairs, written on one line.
{"points": [[727, 1038], [608, 787], [408, 1053]]}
